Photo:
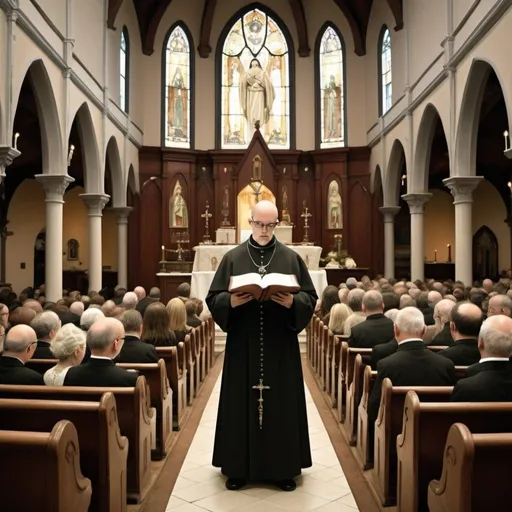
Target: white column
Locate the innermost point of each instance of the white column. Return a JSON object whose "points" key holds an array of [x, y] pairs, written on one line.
{"points": [[122, 214], [416, 204], [461, 188], [95, 204], [54, 185], [389, 213]]}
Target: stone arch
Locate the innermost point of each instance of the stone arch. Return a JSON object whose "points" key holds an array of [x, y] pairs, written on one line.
{"points": [[51, 134], [464, 161], [91, 155], [133, 184], [376, 181], [396, 161], [116, 173], [424, 140]]}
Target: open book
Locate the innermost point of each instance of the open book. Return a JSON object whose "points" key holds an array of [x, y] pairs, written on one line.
{"points": [[261, 288]]}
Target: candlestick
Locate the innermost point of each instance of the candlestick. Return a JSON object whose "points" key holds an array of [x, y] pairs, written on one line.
{"points": [[449, 253], [435, 256], [505, 135]]}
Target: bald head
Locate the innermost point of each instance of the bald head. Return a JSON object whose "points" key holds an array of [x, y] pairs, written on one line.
{"points": [[465, 320], [105, 337], [263, 221], [140, 292], [34, 305], [495, 339], [488, 285], [500, 304], [434, 297], [20, 342], [443, 310]]}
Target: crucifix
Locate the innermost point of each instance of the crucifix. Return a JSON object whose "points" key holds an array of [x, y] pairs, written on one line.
{"points": [[206, 216], [260, 387], [305, 215]]}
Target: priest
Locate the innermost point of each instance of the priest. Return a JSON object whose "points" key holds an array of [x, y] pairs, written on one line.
{"points": [[262, 428]]}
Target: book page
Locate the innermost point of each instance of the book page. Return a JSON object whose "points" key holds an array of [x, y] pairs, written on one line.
{"points": [[242, 280], [281, 280]]}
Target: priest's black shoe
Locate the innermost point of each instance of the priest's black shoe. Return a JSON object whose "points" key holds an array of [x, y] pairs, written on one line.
{"points": [[287, 485], [233, 484]]}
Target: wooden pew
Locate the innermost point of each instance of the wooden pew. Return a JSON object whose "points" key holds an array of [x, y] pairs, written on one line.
{"points": [[41, 365], [341, 399], [191, 366], [160, 394], [421, 444], [388, 426], [177, 379], [364, 442], [102, 450], [476, 472], [134, 422], [354, 393], [211, 341], [63, 488]]}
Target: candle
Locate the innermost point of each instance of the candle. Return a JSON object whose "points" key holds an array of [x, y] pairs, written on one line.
{"points": [[435, 255], [16, 140], [163, 252], [505, 135], [449, 253]]}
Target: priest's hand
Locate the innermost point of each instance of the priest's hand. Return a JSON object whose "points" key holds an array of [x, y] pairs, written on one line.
{"points": [[240, 298], [284, 299]]}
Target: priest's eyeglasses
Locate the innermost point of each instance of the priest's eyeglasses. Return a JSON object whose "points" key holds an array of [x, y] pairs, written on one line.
{"points": [[260, 225]]}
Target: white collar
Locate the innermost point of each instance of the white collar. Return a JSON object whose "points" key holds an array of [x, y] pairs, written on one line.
{"points": [[486, 359], [409, 340], [101, 357]]}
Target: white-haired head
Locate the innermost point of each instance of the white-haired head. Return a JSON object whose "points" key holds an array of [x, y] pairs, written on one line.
{"points": [[77, 308], [495, 338], [409, 324], [90, 316], [130, 300], [391, 314]]}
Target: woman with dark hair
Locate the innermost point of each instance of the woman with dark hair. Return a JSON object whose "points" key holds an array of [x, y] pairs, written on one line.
{"points": [[156, 328], [329, 298]]}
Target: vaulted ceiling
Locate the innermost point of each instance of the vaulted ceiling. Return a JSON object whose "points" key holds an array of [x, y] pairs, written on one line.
{"points": [[356, 12]]}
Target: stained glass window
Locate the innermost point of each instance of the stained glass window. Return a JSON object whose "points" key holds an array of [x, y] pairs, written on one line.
{"points": [[332, 100], [124, 57], [385, 69], [255, 83], [177, 89]]}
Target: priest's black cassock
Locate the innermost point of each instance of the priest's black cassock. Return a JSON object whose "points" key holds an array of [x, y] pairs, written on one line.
{"points": [[262, 333]]}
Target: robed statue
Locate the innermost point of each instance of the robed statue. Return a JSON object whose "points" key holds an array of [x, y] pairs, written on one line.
{"points": [[257, 95], [178, 211], [334, 204]]}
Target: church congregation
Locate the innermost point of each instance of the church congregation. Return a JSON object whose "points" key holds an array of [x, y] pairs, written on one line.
{"points": [[255, 256]]}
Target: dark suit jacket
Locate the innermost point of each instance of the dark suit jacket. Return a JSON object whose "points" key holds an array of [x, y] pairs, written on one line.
{"points": [[100, 372], [143, 304], [136, 351], [463, 353], [13, 371], [66, 317], [382, 351], [43, 351], [491, 382], [374, 330], [428, 314], [413, 364], [193, 321], [443, 337]]}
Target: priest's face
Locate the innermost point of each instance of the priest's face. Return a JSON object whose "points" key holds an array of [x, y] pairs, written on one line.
{"points": [[263, 225]]}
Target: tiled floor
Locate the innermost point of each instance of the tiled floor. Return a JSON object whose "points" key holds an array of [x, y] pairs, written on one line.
{"points": [[201, 487]]}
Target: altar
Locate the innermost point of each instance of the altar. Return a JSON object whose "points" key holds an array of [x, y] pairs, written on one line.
{"points": [[208, 257]]}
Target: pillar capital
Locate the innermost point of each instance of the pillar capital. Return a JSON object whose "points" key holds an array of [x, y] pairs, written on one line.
{"points": [[7, 155], [416, 202], [54, 185], [389, 212], [461, 187], [95, 203], [122, 213]]}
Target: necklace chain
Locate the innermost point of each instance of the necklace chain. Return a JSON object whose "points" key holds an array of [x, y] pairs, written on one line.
{"points": [[261, 268]]}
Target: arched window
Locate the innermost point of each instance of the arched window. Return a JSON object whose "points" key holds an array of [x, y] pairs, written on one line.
{"points": [[178, 89], [385, 77], [255, 81], [124, 71], [330, 52]]}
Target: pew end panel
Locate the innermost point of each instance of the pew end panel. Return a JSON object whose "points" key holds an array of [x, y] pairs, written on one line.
{"points": [[364, 442]]}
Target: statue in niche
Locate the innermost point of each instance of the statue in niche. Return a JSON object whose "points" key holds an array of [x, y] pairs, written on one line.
{"points": [[178, 211], [285, 214], [334, 205], [72, 249], [257, 95]]}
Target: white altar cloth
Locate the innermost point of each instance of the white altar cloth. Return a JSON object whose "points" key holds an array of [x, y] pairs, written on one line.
{"points": [[201, 282], [204, 258]]}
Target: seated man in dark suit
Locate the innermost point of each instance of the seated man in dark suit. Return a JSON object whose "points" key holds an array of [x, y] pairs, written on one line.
{"points": [[19, 346], [183, 291], [376, 328], [384, 349], [154, 296], [105, 339], [491, 378], [134, 350], [465, 322], [442, 312], [46, 325], [192, 319], [413, 364]]}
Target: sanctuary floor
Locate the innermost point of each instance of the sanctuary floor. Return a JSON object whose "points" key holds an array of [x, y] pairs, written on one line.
{"points": [[200, 487]]}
